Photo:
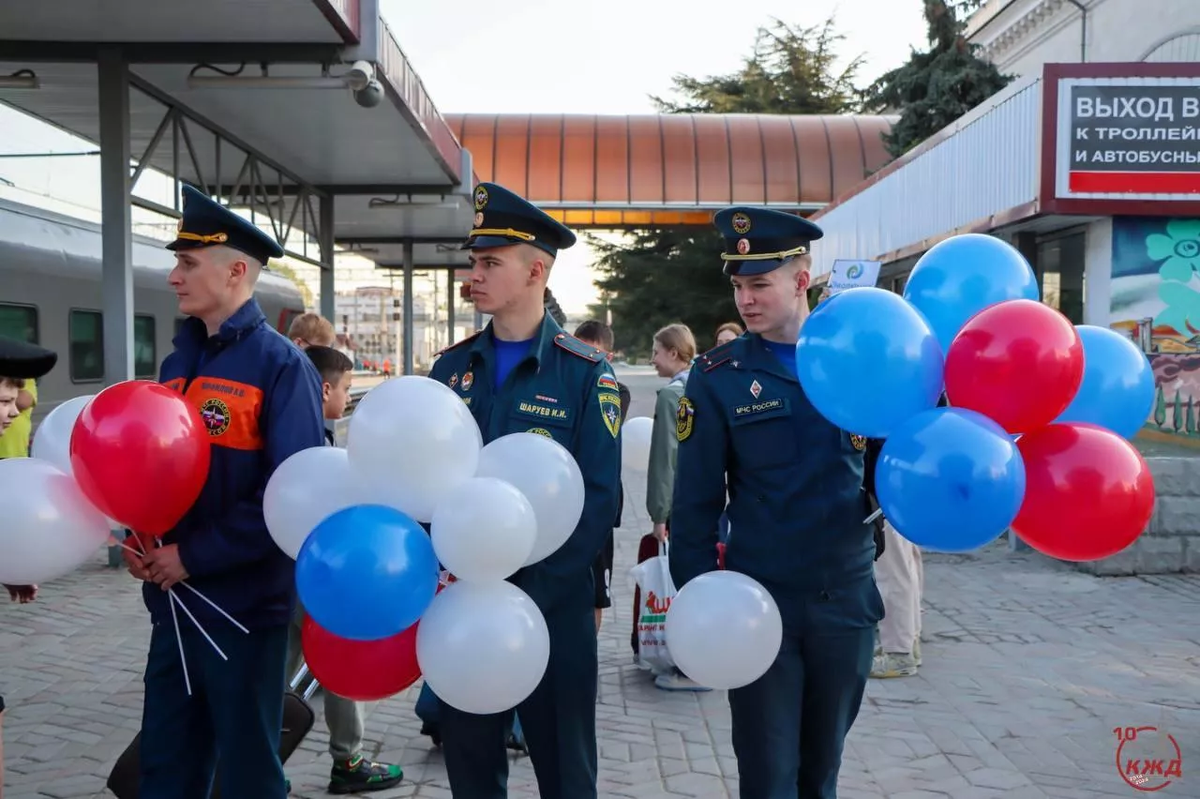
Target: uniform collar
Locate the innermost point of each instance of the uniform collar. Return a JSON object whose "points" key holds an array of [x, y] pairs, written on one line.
{"points": [[759, 356], [543, 339], [244, 319]]}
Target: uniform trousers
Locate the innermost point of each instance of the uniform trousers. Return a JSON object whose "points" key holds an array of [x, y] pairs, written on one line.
{"points": [[558, 719], [235, 712], [901, 578], [789, 726]]}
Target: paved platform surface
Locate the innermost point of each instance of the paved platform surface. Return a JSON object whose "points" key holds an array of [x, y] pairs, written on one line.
{"points": [[1029, 668]]}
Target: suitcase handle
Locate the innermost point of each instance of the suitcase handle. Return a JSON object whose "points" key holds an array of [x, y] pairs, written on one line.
{"points": [[301, 673]]}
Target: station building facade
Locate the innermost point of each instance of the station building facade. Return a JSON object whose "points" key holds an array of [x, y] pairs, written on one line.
{"points": [[1092, 170]]}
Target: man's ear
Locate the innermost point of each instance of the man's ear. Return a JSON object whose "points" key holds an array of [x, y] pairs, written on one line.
{"points": [[537, 269], [803, 281]]}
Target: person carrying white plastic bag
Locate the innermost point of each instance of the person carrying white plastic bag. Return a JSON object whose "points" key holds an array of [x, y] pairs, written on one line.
{"points": [[653, 577]]}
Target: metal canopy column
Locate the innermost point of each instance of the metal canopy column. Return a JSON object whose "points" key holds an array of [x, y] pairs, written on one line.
{"points": [[325, 232], [116, 217], [408, 307], [451, 296]]}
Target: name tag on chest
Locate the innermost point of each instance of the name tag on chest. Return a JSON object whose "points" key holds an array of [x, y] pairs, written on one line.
{"points": [[544, 411], [760, 410]]}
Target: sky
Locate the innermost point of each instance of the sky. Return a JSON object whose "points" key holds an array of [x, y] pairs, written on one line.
{"points": [[535, 56]]}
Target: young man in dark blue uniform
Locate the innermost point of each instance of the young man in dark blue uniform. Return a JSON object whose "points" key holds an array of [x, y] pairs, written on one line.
{"points": [[260, 398], [796, 511], [522, 373]]}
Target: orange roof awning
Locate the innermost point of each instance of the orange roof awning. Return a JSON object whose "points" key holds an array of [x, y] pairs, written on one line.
{"points": [[671, 169]]}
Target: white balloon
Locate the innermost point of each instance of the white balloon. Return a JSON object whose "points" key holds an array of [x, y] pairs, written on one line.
{"points": [[547, 474], [49, 528], [483, 530], [309, 486], [52, 440], [483, 647], [723, 629], [411, 441], [635, 443]]}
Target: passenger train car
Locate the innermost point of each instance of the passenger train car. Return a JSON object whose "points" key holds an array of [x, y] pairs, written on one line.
{"points": [[50, 294]]}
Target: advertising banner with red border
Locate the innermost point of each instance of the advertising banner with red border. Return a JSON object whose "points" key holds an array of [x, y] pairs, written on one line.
{"points": [[1129, 138]]}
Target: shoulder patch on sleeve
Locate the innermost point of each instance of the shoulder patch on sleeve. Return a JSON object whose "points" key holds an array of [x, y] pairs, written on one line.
{"points": [[610, 411], [685, 418], [607, 382], [577, 347], [458, 344]]}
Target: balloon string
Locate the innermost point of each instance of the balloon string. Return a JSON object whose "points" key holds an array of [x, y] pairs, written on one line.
{"points": [[878, 512], [189, 587], [187, 681], [215, 607], [175, 599]]}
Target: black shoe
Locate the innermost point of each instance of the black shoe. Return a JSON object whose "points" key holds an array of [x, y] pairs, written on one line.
{"points": [[433, 732], [363, 776]]}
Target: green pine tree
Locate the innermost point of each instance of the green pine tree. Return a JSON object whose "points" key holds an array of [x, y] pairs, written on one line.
{"points": [[936, 86], [1189, 426], [1177, 413], [1160, 408], [655, 277]]}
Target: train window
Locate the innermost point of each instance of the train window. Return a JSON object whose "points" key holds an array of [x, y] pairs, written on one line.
{"points": [[19, 322], [86, 331], [145, 353]]}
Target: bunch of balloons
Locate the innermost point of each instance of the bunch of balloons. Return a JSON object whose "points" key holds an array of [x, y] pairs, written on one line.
{"points": [[996, 411], [134, 455], [386, 602]]}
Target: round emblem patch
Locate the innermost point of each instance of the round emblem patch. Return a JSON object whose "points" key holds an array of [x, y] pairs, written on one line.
{"points": [[481, 198], [743, 246], [541, 431], [859, 442], [478, 218], [741, 223], [215, 415]]}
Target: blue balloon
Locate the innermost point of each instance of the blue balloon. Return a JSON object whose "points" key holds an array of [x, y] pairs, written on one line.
{"points": [[950, 479], [1117, 391], [959, 277], [867, 361], [366, 572]]}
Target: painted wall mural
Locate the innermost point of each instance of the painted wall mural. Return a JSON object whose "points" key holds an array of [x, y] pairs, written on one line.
{"points": [[1156, 303]]}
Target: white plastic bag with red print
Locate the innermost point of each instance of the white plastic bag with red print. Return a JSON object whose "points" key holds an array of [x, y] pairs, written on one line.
{"points": [[658, 589]]}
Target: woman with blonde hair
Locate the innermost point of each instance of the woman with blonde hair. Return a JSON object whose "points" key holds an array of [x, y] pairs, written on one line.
{"points": [[672, 355]]}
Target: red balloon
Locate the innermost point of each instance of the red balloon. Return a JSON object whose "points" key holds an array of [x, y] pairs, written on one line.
{"points": [[1017, 362], [364, 671], [141, 453], [1088, 492]]}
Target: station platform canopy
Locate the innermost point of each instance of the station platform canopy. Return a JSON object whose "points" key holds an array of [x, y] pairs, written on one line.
{"points": [[259, 102], [305, 112], [628, 172], [623, 172]]}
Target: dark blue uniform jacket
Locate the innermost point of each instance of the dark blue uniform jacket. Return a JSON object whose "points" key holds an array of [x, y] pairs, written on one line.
{"points": [[563, 389], [796, 497], [260, 398]]}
